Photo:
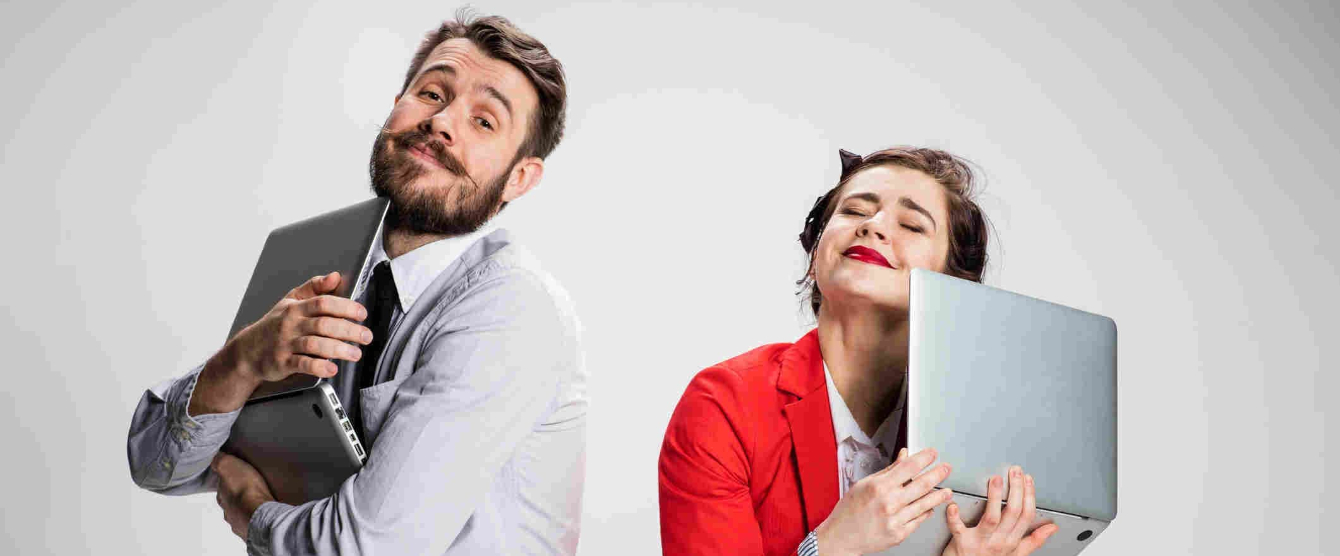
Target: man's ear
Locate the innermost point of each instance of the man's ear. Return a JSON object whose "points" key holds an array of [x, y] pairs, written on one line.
{"points": [[525, 176]]}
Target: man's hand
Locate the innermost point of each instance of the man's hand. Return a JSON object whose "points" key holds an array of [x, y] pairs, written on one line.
{"points": [[298, 335], [241, 491], [997, 534]]}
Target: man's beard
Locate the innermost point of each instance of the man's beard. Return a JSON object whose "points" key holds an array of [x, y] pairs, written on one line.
{"points": [[427, 211]]}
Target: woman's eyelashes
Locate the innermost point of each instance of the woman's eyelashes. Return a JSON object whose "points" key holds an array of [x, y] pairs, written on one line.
{"points": [[859, 213]]}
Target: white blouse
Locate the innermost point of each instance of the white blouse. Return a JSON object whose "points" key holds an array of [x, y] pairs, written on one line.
{"points": [[858, 455]]}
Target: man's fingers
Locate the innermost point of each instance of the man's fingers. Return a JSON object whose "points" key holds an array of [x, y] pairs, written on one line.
{"points": [[333, 306], [1035, 540], [336, 328], [326, 348], [312, 366], [317, 285]]}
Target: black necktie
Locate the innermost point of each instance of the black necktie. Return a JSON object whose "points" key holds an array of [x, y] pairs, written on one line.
{"points": [[382, 300]]}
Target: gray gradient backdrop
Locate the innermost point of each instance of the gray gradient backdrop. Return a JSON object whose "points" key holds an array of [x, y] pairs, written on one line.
{"points": [[1169, 167]]}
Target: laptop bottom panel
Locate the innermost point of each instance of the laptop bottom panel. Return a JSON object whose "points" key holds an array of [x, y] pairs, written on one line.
{"points": [[302, 443], [932, 536]]}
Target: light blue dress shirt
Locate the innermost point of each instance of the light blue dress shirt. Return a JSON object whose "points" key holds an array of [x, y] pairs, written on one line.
{"points": [[477, 422]]}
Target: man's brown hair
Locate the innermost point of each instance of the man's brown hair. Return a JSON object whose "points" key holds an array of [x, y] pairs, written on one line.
{"points": [[968, 228], [498, 38]]}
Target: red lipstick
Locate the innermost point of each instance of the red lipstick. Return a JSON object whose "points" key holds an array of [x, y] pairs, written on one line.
{"points": [[866, 255]]}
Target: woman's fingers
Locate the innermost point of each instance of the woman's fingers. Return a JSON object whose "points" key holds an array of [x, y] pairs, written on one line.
{"points": [[1014, 505], [902, 472], [912, 525], [923, 484], [956, 525], [1029, 512], [1035, 540], [924, 504], [991, 518]]}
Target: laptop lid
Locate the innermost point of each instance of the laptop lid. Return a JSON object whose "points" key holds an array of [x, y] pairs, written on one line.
{"points": [[340, 240], [998, 379]]}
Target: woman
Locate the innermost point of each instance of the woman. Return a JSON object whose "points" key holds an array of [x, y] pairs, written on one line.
{"points": [[786, 448]]}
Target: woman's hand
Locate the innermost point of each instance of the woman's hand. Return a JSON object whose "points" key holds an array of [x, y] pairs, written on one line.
{"points": [[883, 509], [998, 534]]}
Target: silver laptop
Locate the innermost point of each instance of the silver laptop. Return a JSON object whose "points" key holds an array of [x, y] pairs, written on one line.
{"points": [[295, 432], [998, 379]]}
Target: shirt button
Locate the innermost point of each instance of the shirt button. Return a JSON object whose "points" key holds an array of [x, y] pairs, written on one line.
{"points": [[182, 435]]}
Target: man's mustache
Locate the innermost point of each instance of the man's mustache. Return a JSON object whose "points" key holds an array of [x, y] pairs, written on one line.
{"points": [[412, 138]]}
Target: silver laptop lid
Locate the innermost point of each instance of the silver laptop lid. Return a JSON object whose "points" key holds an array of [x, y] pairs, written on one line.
{"points": [[338, 240], [998, 379]]}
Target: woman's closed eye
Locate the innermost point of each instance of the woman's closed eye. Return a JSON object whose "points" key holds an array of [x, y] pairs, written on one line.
{"points": [[914, 228]]}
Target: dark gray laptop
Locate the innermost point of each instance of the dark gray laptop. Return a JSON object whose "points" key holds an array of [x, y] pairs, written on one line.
{"points": [[998, 379], [295, 431], [338, 240]]}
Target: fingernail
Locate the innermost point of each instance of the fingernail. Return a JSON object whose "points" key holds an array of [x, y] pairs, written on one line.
{"points": [[367, 336], [1029, 478], [1015, 471]]}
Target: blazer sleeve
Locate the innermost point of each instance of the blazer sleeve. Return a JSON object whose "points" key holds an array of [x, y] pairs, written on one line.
{"points": [[706, 505]]}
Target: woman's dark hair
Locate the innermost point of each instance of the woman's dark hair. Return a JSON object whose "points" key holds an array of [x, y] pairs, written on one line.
{"points": [[967, 224]]}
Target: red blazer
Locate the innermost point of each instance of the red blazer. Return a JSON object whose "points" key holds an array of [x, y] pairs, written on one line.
{"points": [[749, 461]]}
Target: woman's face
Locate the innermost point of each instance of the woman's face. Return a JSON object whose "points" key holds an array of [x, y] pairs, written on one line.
{"points": [[887, 221]]}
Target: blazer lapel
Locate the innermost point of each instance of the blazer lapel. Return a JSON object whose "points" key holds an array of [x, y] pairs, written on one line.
{"points": [[811, 423]]}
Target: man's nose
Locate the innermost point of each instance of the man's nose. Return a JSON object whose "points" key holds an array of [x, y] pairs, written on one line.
{"points": [[442, 125]]}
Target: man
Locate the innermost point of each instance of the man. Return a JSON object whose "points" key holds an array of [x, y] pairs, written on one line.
{"points": [[476, 408]]}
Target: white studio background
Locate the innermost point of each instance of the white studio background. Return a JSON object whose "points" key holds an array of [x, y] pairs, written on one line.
{"points": [[1166, 166]]}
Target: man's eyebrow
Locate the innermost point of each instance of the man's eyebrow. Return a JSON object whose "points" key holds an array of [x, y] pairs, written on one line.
{"points": [[495, 93], [909, 203], [486, 89], [444, 68]]}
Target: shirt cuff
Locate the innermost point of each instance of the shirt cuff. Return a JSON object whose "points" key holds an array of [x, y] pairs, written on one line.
{"points": [[809, 546], [202, 430], [260, 530]]}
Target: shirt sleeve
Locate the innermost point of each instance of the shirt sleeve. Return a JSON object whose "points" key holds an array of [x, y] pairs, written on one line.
{"points": [[485, 377], [706, 505], [168, 450]]}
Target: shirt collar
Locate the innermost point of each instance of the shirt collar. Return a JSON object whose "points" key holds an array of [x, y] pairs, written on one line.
{"points": [[414, 271], [845, 426]]}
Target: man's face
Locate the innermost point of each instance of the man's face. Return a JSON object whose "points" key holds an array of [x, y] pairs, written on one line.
{"points": [[447, 156]]}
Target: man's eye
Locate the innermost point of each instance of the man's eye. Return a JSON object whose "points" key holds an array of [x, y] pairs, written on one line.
{"points": [[853, 212], [484, 123], [436, 97]]}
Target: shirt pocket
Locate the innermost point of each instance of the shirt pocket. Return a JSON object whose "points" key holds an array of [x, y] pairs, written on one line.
{"points": [[376, 403]]}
